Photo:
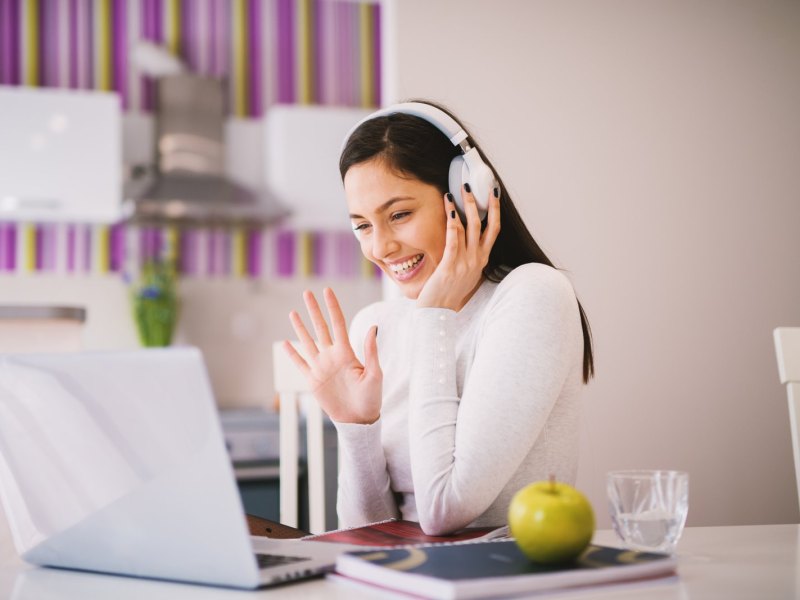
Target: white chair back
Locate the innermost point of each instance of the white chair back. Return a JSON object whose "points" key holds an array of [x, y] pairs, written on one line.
{"points": [[787, 349], [294, 396]]}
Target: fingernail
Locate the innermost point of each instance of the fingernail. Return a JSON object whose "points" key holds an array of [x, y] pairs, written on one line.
{"points": [[450, 197], [452, 214], [496, 192], [467, 188]]}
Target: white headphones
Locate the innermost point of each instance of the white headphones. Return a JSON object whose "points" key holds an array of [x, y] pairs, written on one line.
{"points": [[467, 167]]}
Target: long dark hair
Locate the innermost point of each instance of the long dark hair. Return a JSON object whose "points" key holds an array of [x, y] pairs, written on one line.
{"points": [[412, 146]]}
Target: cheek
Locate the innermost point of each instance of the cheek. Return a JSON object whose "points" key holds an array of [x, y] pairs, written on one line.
{"points": [[366, 248], [437, 242]]}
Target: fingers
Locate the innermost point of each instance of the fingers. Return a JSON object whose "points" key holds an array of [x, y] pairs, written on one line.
{"points": [[323, 333], [337, 316], [371, 362], [302, 333], [320, 326], [473, 219], [492, 221], [298, 360]]}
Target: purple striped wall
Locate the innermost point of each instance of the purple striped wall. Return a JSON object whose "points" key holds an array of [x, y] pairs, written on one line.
{"points": [[334, 25], [266, 253]]}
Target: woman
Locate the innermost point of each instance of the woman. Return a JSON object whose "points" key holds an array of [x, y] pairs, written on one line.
{"points": [[467, 388]]}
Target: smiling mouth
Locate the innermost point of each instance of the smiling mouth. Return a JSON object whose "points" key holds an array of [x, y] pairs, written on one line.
{"points": [[406, 266], [407, 269]]}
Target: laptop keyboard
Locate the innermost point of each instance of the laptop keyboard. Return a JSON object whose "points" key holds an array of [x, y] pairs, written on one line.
{"points": [[275, 560]]}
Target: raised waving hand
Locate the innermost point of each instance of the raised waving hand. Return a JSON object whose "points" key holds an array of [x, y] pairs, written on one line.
{"points": [[348, 391]]}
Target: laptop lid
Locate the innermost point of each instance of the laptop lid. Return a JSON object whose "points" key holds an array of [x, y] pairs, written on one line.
{"points": [[115, 462]]}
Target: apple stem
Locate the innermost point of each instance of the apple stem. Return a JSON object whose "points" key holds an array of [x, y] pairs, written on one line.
{"points": [[553, 482]]}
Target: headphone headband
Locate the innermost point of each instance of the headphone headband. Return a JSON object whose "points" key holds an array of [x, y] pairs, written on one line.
{"points": [[440, 119]]}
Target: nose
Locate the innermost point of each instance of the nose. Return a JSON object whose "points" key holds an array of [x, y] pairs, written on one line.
{"points": [[383, 242]]}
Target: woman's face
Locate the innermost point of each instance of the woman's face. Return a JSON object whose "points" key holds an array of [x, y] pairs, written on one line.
{"points": [[400, 223]]}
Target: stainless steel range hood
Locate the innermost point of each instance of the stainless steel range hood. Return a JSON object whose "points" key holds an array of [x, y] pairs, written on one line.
{"points": [[188, 184]]}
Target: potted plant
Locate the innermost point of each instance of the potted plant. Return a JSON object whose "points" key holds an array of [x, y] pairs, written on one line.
{"points": [[155, 303]]}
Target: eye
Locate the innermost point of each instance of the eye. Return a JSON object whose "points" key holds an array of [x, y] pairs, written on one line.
{"points": [[400, 215], [360, 227]]}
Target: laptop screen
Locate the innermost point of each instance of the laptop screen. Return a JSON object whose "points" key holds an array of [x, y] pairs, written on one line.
{"points": [[116, 462]]}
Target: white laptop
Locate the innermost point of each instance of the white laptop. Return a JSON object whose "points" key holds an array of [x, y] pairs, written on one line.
{"points": [[115, 462]]}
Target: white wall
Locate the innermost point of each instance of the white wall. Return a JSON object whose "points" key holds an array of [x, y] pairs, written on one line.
{"points": [[654, 150]]}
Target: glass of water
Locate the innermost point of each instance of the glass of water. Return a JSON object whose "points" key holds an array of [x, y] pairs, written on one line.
{"points": [[648, 508]]}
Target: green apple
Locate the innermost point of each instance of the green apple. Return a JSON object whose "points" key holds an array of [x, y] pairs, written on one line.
{"points": [[552, 522]]}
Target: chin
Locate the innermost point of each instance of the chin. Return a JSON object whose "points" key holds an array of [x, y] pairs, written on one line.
{"points": [[410, 290]]}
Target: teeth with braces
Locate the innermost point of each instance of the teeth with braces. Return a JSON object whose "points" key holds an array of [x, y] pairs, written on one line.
{"points": [[405, 266]]}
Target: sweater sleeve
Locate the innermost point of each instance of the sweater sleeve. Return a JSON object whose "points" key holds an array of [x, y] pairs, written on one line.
{"points": [[464, 450], [364, 489]]}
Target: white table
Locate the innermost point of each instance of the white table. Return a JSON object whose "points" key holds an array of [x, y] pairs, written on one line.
{"points": [[761, 561]]}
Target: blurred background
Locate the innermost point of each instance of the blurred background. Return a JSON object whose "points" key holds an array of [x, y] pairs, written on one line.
{"points": [[652, 148]]}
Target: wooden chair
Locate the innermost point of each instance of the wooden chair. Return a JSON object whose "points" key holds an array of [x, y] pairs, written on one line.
{"points": [[294, 396], [787, 349]]}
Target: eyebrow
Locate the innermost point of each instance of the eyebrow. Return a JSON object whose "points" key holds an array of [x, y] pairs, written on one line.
{"points": [[385, 205]]}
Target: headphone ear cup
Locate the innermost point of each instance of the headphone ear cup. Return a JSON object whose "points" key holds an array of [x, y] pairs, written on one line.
{"points": [[480, 178], [459, 173], [482, 181]]}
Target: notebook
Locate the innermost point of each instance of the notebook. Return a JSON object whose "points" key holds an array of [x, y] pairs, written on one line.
{"points": [[491, 569], [115, 462]]}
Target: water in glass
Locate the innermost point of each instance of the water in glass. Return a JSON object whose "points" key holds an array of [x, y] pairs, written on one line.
{"points": [[649, 508]]}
